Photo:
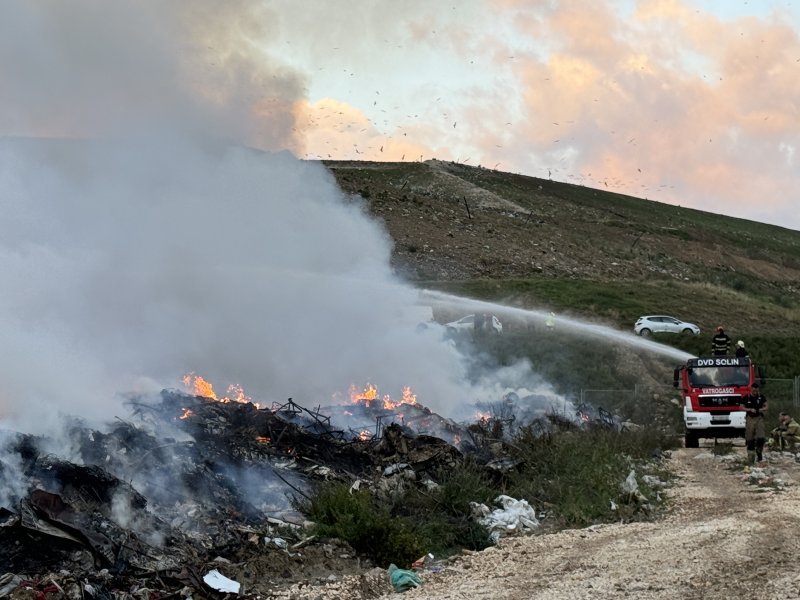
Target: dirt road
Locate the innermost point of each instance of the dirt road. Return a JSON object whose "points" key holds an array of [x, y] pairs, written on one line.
{"points": [[727, 534]]}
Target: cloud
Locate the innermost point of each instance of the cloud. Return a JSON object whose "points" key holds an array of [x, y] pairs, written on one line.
{"points": [[335, 130], [659, 99]]}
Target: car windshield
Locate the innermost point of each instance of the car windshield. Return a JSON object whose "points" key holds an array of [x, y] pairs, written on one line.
{"points": [[719, 376]]}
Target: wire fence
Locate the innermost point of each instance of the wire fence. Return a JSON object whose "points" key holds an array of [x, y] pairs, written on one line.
{"points": [[779, 392]]}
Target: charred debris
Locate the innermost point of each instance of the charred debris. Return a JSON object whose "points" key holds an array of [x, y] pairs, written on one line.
{"points": [[147, 507]]}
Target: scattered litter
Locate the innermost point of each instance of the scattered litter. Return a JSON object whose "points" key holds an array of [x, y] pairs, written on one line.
{"points": [[516, 515], [630, 489], [653, 481], [422, 561], [8, 583], [216, 580], [705, 456], [402, 579], [395, 468]]}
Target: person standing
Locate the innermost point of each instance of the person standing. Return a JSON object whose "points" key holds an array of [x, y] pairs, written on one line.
{"points": [[755, 405], [720, 343], [741, 351], [786, 435]]}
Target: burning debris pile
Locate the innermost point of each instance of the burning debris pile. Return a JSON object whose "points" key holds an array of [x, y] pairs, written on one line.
{"points": [[153, 502]]}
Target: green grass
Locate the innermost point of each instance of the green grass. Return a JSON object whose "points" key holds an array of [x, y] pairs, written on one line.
{"points": [[402, 528], [580, 473], [620, 303], [768, 329], [573, 476]]}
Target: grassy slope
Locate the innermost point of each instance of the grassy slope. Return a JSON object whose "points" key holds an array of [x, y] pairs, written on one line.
{"points": [[589, 253]]}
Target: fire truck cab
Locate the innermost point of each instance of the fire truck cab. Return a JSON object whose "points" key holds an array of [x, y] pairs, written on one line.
{"points": [[713, 388]]}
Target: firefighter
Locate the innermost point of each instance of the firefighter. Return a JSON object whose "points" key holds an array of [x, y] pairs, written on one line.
{"points": [[741, 351], [720, 343], [786, 434], [755, 405]]}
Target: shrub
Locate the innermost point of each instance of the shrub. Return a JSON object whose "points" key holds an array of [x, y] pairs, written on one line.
{"points": [[368, 527], [578, 474], [403, 529]]}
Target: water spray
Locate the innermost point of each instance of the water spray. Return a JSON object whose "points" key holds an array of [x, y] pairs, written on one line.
{"points": [[568, 324]]}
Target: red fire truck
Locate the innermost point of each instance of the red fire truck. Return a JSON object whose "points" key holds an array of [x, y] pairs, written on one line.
{"points": [[713, 388]]}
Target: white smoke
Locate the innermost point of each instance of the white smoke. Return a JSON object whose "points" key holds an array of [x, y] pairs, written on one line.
{"points": [[153, 248]]}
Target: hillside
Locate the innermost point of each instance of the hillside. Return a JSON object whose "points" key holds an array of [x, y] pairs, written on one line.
{"points": [[537, 242]]}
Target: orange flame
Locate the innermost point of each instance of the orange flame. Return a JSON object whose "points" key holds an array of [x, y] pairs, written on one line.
{"points": [[262, 439], [201, 387], [367, 395], [408, 396], [187, 412], [364, 435], [370, 394]]}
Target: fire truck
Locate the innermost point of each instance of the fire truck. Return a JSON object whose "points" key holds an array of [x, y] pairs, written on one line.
{"points": [[713, 388]]}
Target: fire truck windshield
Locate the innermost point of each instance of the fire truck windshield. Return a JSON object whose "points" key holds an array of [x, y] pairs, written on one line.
{"points": [[719, 376]]}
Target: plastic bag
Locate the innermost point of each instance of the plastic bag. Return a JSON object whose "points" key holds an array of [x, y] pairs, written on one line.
{"points": [[403, 580]]}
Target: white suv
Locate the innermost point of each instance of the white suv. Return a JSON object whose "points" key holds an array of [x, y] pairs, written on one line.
{"points": [[661, 323]]}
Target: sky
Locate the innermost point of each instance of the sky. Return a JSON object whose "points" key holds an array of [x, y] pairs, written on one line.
{"points": [[157, 220], [686, 102], [694, 103]]}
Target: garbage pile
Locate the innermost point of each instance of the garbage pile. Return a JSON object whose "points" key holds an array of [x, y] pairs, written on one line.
{"points": [[160, 501], [191, 494]]}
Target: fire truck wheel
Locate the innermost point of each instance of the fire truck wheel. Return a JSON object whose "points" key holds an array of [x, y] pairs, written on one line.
{"points": [[692, 440]]}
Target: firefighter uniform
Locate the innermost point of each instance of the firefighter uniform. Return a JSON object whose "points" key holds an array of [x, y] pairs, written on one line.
{"points": [[786, 435], [720, 343], [755, 405]]}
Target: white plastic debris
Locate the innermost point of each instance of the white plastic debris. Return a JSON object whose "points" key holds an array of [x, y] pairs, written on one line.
{"points": [[395, 468], [516, 515], [216, 580], [356, 486], [277, 541], [630, 488], [653, 482], [430, 485]]}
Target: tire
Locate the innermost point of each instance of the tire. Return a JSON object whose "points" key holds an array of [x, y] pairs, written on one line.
{"points": [[645, 332], [687, 330], [692, 440]]}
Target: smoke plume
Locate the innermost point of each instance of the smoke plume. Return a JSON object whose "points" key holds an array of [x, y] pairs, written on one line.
{"points": [[149, 245]]}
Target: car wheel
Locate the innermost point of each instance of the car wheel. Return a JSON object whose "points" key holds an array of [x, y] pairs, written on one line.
{"points": [[645, 332], [687, 330]]}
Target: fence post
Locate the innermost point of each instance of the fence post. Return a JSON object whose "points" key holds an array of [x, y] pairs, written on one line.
{"points": [[796, 390]]}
